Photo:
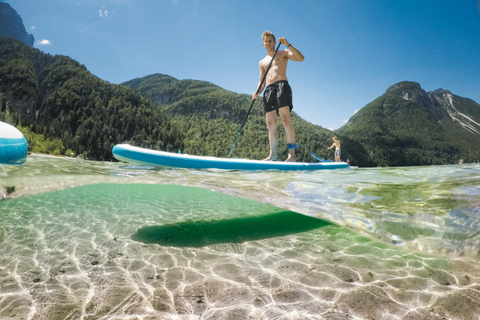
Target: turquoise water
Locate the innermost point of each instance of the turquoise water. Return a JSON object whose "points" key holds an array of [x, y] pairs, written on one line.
{"points": [[97, 240]]}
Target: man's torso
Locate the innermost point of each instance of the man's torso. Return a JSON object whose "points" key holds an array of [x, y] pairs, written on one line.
{"points": [[278, 70]]}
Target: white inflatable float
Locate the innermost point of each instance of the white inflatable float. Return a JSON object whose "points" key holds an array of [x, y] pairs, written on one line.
{"points": [[13, 145]]}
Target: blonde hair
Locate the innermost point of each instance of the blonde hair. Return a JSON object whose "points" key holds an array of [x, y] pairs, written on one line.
{"points": [[267, 33]]}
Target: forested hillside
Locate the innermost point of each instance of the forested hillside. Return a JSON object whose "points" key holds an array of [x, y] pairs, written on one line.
{"points": [[211, 116], [57, 97], [58, 102]]}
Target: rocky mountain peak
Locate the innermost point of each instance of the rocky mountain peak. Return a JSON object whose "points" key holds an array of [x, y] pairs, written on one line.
{"points": [[441, 94], [11, 25], [405, 86], [410, 91], [440, 105]]}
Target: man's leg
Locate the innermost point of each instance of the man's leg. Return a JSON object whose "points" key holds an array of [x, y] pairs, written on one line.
{"points": [[289, 131], [271, 118]]}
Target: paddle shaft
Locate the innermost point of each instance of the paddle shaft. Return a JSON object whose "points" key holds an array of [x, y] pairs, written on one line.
{"points": [[240, 131]]}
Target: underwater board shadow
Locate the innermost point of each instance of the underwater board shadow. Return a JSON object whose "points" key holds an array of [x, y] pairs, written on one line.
{"points": [[202, 233]]}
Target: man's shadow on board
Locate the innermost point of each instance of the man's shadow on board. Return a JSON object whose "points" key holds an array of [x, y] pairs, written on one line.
{"points": [[200, 233]]}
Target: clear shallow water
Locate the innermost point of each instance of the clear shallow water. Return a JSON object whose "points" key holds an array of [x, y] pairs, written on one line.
{"points": [[96, 240]]}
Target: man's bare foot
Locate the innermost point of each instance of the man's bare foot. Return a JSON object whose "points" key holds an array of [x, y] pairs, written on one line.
{"points": [[291, 159], [270, 159]]}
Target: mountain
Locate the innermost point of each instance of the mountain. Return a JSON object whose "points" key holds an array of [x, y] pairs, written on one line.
{"points": [[409, 126], [59, 98], [187, 97], [211, 116], [11, 25]]}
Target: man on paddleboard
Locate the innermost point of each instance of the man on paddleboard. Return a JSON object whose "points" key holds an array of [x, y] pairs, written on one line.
{"points": [[336, 145], [278, 94]]}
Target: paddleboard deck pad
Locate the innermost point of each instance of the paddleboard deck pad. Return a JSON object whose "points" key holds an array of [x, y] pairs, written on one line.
{"points": [[142, 156]]}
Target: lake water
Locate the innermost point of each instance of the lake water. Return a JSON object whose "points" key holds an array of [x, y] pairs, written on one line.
{"points": [[99, 240]]}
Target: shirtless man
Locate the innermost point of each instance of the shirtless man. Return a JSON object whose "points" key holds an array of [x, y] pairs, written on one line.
{"points": [[278, 94], [336, 144]]}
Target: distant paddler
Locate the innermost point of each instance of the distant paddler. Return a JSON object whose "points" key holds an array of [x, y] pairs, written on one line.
{"points": [[336, 144]]}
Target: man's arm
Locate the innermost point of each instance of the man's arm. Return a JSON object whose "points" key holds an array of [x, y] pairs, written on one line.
{"points": [[292, 53], [262, 72]]}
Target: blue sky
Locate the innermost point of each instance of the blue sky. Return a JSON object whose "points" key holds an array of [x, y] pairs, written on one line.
{"points": [[354, 49]]}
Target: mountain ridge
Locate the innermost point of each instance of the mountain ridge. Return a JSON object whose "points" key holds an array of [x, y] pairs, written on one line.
{"points": [[11, 25]]}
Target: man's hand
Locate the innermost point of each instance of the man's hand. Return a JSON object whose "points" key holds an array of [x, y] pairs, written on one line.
{"points": [[254, 96], [293, 53], [283, 41]]}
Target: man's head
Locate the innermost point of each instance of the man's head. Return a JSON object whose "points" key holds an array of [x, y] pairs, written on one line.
{"points": [[268, 40], [267, 33]]}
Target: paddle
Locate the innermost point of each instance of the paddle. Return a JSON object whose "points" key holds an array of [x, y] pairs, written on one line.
{"points": [[240, 131]]}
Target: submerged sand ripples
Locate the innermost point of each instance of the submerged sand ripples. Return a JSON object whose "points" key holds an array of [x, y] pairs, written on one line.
{"points": [[69, 255], [86, 240]]}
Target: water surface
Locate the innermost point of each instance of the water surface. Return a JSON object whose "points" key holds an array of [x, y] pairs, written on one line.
{"points": [[99, 240]]}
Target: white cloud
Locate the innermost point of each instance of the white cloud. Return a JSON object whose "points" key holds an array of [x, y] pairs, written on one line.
{"points": [[44, 42], [32, 28], [103, 13], [354, 112]]}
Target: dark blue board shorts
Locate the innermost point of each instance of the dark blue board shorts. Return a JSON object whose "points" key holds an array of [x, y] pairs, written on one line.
{"points": [[277, 95]]}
